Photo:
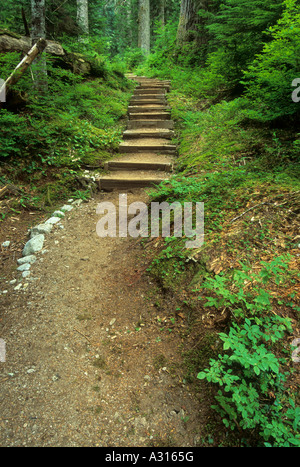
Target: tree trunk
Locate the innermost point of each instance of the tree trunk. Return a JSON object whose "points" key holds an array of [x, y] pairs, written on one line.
{"points": [[144, 26], [83, 19], [38, 31], [186, 20], [162, 7]]}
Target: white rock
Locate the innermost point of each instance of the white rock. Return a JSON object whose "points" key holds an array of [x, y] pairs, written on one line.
{"points": [[13, 281], [18, 287], [6, 244], [41, 229], [77, 202], [24, 267], [25, 274], [66, 207], [58, 214], [53, 220], [34, 245], [27, 259]]}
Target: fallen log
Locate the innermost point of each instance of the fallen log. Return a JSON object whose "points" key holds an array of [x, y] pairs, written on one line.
{"points": [[20, 69], [12, 42]]}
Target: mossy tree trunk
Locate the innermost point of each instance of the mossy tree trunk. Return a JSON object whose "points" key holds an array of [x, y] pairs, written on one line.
{"points": [[144, 26], [38, 31], [83, 19]]}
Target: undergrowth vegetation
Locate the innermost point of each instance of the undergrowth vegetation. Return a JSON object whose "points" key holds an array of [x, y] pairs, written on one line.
{"points": [[84, 116]]}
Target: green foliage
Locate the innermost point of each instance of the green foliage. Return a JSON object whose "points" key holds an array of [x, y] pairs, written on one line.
{"points": [[253, 394], [255, 300], [13, 129], [169, 265], [237, 34], [133, 58], [270, 76]]}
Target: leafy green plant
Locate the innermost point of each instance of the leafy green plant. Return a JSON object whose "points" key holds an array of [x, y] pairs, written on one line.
{"points": [[242, 301], [269, 78], [253, 394]]}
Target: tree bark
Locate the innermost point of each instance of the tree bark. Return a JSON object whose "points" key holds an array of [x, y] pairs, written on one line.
{"points": [[162, 7], [144, 26], [38, 31], [186, 20], [83, 19]]}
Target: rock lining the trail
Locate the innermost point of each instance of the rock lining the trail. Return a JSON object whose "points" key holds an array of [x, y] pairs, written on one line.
{"points": [[35, 244]]}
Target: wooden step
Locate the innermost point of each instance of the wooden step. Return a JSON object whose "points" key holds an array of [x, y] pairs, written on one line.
{"points": [[147, 108], [134, 124], [153, 85], [159, 145], [145, 79], [129, 166], [160, 115], [153, 91], [141, 161], [145, 97], [156, 101], [127, 180], [148, 133]]}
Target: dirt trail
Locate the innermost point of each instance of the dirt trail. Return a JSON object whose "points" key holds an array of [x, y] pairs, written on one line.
{"points": [[87, 363]]}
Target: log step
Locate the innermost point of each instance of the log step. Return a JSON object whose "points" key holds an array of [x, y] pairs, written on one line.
{"points": [[134, 124], [127, 180], [148, 95], [160, 145], [159, 115], [153, 91], [138, 101], [130, 166], [146, 108], [148, 133], [141, 161]]}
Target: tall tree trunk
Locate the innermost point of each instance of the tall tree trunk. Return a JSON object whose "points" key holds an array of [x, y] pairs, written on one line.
{"points": [[129, 23], [144, 26], [38, 31], [83, 19], [162, 7], [187, 19]]}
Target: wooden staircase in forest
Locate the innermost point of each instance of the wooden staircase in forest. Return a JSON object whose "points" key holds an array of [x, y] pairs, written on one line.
{"points": [[147, 152]]}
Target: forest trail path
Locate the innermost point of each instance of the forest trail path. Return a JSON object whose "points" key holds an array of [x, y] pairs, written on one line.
{"points": [[93, 355], [147, 150]]}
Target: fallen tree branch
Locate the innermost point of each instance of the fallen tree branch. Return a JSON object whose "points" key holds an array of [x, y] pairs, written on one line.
{"points": [[20, 69], [250, 209], [261, 204]]}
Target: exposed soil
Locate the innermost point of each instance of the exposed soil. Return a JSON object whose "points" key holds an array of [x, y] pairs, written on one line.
{"points": [[88, 361]]}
